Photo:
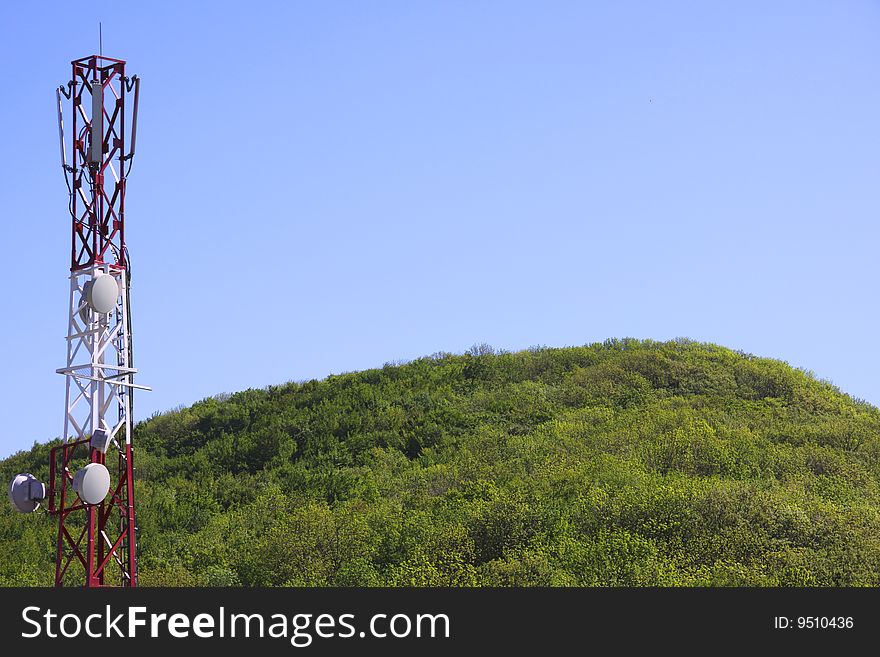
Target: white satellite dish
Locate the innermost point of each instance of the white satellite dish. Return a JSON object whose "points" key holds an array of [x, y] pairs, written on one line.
{"points": [[92, 483], [84, 303], [102, 293], [25, 492]]}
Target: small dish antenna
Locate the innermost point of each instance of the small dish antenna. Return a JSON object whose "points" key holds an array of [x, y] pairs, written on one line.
{"points": [[92, 483], [84, 303], [102, 293], [26, 492]]}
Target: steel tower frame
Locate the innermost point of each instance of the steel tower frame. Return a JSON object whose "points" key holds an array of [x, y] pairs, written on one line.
{"points": [[97, 540]]}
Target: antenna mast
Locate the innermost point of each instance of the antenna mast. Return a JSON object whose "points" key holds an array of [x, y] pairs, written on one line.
{"points": [[91, 474]]}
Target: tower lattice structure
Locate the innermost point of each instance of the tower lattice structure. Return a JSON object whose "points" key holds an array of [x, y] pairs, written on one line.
{"points": [[97, 543]]}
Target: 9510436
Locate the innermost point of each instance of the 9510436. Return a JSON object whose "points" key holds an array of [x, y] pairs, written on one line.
{"points": [[813, 622]]}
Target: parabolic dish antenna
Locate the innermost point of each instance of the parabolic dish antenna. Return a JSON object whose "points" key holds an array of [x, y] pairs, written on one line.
{"points": [[103, 293], [25, 493], [92, 483], [84, 302]]}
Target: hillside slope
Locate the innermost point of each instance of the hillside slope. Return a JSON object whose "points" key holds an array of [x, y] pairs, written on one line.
{"points": [[622, 463]]}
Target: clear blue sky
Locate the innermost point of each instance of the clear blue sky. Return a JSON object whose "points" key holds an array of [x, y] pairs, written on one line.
{"points": [[326, 186]]}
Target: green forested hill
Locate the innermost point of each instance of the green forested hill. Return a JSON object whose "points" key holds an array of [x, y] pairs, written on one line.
{"points": [[623, 463]]}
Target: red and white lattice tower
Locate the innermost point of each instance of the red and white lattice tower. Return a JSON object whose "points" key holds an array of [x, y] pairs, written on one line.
{"points": [[96, 543], [91, 473]]}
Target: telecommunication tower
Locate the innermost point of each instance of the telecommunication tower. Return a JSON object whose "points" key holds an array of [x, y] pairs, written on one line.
{"points": [[91, 473]]}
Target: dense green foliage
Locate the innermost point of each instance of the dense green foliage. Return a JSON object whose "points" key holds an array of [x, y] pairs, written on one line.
{"points": [[623, 463]]}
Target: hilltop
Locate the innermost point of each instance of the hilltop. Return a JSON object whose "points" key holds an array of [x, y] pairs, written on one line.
{"points": [[619, 463]]}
